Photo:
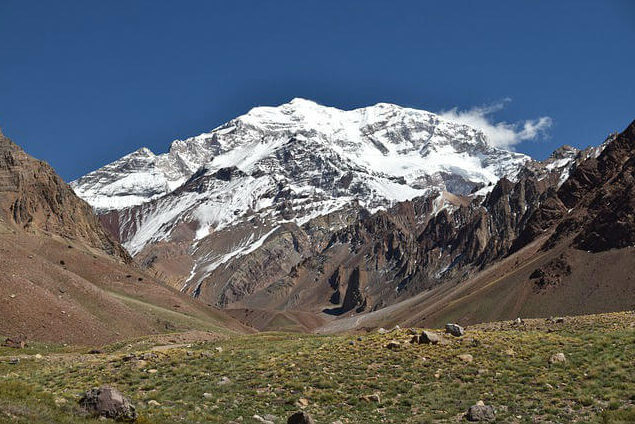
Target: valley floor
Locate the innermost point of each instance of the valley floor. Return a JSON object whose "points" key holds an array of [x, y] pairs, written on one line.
{"points": [[352, 378]]}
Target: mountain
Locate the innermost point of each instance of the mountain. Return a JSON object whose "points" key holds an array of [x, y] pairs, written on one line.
{"points": [[379, 154], [280, 167], [563, 248], [65, 279], [35, 199], [299, 215]]}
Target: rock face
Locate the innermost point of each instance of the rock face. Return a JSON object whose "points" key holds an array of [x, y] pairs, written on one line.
{"points": [[108, 402], [35, 199]]}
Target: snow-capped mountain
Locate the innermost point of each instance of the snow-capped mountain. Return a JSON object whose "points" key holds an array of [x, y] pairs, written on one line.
{"points": [[384, 151], [218, 196]]}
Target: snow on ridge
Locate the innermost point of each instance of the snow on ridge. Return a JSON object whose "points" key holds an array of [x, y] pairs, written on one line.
{"points": [[293, 162]]}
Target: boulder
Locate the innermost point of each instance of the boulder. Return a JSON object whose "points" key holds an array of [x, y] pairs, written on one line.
{"points": [[428, 337], [374, 398], [300, 418], [108, 402], [262, 420], [393, 345], [466, 357], [480, 412], [558, 358], [454, 329]]}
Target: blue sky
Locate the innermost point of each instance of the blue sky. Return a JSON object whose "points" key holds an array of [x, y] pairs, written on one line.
{"points": [[85, 82]]}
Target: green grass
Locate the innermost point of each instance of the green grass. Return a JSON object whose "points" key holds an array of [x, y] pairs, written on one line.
{"points": [[270, 372]]}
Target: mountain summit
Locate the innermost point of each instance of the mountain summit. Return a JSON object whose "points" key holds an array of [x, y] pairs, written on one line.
{"points": [[273, 209], [304, 157]]}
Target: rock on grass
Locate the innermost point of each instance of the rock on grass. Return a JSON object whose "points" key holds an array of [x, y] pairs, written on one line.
{"points": [[481, 412], [300, 418], [108, 402]]}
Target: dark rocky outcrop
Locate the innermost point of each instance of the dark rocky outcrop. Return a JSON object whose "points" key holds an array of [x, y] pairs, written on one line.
{"points": [[300, 418], [108, 402]]}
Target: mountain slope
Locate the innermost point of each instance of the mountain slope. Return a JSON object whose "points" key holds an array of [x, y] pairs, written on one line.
{"points": [[277, 169], [64, 279], [574, 253], [34, 198]]}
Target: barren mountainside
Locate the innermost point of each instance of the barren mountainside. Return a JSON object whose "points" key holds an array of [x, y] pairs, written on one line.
{"points": [[34, 198], [64, 279]]}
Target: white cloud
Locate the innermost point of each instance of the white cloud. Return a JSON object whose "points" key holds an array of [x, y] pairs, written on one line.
{"points": [[499, 134]]}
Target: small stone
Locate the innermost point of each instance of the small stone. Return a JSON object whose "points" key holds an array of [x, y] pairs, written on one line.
{"points": [[558, 358], [38, 356], [218, 349], [352, 343], [415, 339], [207, 395], [152, 371], [15, 342], [14, 361], [148, 356], [300, 417], [466, 357], [153, 403], [359, 339], [481, 413], [382, 331], [261, 419], [302, 402], [518, 321], [374, 398], [393, 345], [223, 381], [12, 296], [480, 403], [428, 337], [454, 329]]}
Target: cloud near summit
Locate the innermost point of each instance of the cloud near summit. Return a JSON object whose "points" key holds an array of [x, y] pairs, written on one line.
{"points": [[500, 134]]}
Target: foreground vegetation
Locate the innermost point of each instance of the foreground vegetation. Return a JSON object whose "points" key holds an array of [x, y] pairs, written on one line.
{"points": [[351, 378]]}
